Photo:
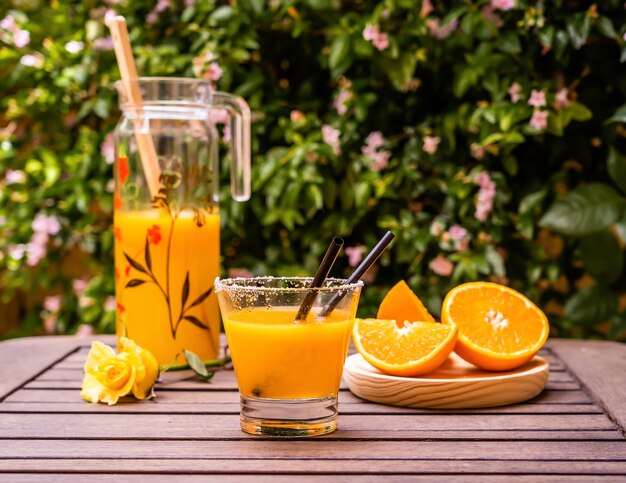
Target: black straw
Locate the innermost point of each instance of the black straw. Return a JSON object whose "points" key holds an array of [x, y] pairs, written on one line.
{"points": [[358, 273], [321, 274]]}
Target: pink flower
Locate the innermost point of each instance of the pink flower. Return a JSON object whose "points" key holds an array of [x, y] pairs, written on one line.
{"points": [[8, 23], [380, 160], [514, 91], [373, 141], [16, 252], [539, 120], [330, 135], [431, 144], [370, 32], [486, 194], [153, 16], [109, 304], [204, 66], [21, 38], [84, 330], [79, 285], [459, 237], [107, 148], [339, 103], [441, 266], [561, 99], [30, 60], [355, 255], [537, 98], [382, 41], [36, 248], [441, 33], [103, 43], [502, 4], [52, 304], [14, 176], [190, 3], [457, 232], [46, 224], [379, 39], [426, 9], [108, 16], [73, 46], [213, 72]]}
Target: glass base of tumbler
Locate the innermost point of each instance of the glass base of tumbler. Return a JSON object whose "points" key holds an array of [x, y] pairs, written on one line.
{"points": [[289, 418]]}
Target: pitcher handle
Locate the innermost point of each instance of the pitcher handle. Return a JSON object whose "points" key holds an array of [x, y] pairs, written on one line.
{"points": [[239, 122]]}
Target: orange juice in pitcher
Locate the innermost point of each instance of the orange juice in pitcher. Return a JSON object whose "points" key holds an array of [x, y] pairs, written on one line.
{"points": [[167, 235]]}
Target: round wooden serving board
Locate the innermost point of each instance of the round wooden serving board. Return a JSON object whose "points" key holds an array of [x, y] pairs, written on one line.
{"points": [[455, 385]]}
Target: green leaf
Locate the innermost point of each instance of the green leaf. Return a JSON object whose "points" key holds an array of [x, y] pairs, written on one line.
{"points": [[135, 282], [197, 366], [605, 26], [587, 209], [223, 13], [339, 51], [602, 256], [136, 265], [578, 27], [616, 163], [400, 70], [619, 115], [509, 43], [579, 112], [591, 305], [531, 201]]}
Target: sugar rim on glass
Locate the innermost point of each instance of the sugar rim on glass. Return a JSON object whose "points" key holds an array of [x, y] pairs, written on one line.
{"points": [[240, 283]]}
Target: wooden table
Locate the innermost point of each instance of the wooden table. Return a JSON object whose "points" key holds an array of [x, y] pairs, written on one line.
{"points": [[573, 431]]}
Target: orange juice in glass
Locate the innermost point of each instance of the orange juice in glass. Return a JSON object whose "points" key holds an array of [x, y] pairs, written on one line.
{"points": [[288, 371], [167, 230]]}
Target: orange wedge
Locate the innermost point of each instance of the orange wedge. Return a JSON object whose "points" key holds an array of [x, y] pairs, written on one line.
{"points": [[402, 304], [411, 350], [499, 328]]}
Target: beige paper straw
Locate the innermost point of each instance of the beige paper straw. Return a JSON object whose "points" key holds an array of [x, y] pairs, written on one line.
{"points": [[128, 71]]}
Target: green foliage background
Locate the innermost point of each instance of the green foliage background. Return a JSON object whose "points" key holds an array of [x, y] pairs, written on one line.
{"points": [[557, 228]]}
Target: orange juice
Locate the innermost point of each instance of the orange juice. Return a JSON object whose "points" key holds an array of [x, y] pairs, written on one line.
{"points": [[164, 281], [274, 357]]}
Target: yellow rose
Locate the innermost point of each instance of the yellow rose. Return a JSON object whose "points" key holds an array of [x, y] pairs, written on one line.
{"points": [[147, 368], [109, 376]]}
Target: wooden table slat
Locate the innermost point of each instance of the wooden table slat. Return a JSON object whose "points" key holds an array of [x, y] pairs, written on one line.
{"points": [[319, 466], [191, 430]]}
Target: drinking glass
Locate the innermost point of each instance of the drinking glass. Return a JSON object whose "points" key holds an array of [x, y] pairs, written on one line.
{"points": [[288, 371]]}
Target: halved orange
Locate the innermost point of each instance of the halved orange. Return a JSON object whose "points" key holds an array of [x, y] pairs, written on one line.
{"points": [[499, 328], [402, 304], [411, 350]]}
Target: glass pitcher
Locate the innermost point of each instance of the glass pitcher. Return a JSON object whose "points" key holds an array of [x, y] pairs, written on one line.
{"points": [[166, 222]]}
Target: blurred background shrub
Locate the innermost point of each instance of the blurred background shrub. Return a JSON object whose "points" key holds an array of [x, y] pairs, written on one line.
{"points": [[488, 135]]}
